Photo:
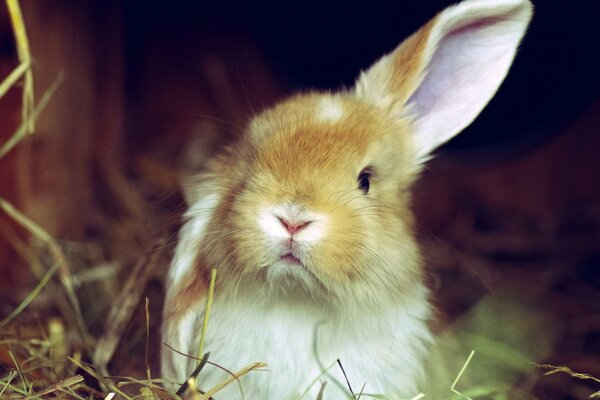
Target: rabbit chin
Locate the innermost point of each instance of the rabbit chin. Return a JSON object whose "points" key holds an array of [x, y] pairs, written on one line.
{"points": [[291, 278]]}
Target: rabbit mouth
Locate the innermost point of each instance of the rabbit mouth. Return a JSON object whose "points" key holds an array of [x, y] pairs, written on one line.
{"points": [[290, 272], [289, 258]]}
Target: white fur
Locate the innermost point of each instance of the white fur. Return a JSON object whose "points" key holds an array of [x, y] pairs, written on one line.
{"points": [[270, 224], [284, 277], [330, 110], [468, 54], [191, 234], [183, 335], [382, 348], [314, 232]]}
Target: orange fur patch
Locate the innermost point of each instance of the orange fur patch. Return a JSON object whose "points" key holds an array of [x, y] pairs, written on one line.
{"points": [[294, 157]]}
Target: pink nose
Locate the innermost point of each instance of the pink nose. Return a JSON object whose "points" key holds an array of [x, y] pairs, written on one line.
{"points": [[293, 227]]}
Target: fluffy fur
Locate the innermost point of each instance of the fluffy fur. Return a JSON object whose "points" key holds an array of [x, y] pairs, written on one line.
{"points": [[346, 282]]}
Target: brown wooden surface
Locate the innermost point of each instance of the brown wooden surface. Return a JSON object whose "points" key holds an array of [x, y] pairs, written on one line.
{"points": [[53, 167]]}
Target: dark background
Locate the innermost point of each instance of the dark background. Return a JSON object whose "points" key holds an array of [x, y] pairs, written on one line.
{"points": [[323, 45]]}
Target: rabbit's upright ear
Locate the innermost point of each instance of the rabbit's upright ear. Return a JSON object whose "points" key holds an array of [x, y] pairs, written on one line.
{"points": [[444, 74]]}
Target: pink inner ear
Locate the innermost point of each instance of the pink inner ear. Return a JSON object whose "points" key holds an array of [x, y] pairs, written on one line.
{"points": [[465, 70]]}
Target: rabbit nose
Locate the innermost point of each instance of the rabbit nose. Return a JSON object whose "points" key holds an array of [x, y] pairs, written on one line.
{"points": [[293, 227]]}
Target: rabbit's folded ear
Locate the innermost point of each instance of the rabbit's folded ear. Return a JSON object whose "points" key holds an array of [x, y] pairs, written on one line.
{"points": [[445, 73]]}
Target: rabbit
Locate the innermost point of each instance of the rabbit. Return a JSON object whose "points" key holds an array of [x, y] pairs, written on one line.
{"points": [[307, 220]]}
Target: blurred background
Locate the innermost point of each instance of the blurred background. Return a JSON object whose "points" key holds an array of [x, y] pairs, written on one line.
{"points": [[508, 211]]}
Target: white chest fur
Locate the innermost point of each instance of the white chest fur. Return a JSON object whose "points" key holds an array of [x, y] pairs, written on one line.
{"points": [[382, 350]]}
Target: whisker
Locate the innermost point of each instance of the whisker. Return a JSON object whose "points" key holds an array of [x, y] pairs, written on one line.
{"points": [[204, 116]]}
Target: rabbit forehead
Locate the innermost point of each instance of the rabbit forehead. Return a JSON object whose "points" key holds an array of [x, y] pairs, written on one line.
{"points": [[327, 133]]}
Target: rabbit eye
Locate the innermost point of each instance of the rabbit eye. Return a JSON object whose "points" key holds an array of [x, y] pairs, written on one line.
{"points": [[364, 179]]}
